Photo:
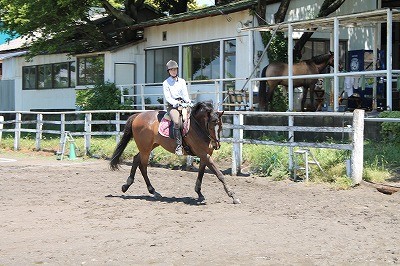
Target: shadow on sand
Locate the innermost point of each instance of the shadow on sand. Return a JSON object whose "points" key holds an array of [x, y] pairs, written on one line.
{"points": [[185, 200]]}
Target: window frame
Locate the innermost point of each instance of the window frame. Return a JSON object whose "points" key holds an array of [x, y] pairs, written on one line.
{"points": [[204, 66], [87, 80], [36, 75], [157, 72]]}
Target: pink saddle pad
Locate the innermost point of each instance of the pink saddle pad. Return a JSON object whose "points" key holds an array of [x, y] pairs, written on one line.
{"points": [[165, 127]]}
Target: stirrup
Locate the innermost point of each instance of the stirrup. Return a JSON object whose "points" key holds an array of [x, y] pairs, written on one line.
{"points": [[178, 150]]}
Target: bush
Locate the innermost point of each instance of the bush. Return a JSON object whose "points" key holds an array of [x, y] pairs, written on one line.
{"points": [[390, 130], [103, 96]]}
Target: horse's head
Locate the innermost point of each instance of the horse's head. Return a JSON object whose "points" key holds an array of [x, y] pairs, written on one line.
{"points": [[215, 128], [210, 121], [322, 61]]}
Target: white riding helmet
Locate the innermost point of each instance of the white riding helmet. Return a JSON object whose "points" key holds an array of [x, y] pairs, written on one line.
{"points": [[172, 64]]}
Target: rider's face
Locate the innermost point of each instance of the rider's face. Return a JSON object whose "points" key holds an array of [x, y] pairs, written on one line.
{"points": [[173, 72]]}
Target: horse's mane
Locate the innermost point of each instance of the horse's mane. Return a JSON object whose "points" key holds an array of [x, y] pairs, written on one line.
{"points": [[206, 106], [318, 59]]}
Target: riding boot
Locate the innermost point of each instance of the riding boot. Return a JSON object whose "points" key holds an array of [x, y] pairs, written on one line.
{"points": [[178, 138]]}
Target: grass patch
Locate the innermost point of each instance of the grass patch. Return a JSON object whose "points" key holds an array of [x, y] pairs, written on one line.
{"points": [[380, 159]]}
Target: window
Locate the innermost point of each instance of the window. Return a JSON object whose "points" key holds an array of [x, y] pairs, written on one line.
{"points": [[29, 77], [58, 75], [90, 70], [64, 75], [45, 77], [201, 61], [230, 59], [155, 63]]}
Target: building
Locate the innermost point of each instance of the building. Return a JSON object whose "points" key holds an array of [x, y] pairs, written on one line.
{"points": [[215, 54]]}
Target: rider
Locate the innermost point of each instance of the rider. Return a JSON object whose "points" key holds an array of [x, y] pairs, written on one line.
{"points": [[176, 94]]}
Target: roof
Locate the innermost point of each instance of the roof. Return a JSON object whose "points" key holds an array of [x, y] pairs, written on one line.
{"points": [[12, 54], [198, 13], [362, 19], [15, 44]]}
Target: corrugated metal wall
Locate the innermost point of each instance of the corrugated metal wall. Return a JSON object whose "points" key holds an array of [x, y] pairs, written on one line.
{"points": [[7, 95]]}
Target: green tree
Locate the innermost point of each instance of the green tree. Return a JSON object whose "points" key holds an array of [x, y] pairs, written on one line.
{"points": [[68, 25]]}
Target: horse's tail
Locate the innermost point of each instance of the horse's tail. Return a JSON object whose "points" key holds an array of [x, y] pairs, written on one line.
{"points": [[126, 137], [263, 83], [262, 91]]}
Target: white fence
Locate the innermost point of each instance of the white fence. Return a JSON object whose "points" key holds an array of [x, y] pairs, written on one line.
{"points": [[355, 131]]}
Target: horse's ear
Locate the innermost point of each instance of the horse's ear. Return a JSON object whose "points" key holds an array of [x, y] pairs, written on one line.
{"points": [[220, 113]]}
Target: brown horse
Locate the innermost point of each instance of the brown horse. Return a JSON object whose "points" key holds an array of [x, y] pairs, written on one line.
{"points": [[203, 137], [315, 65]]}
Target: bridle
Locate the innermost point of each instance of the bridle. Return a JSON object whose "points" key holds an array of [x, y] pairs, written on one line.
{"points": [[206, 130]]}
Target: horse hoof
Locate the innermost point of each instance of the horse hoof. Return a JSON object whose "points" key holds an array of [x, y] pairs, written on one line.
{"points": [[236, 201], [124, 188], [157, 195], [201, 200]]}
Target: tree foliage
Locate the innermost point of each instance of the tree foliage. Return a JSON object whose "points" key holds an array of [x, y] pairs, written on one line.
{"points": [[51, 26]]}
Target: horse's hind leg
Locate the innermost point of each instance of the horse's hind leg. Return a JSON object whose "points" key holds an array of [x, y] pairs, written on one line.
{"points": [[144, 161], [199, 181], [304, 98], [131, 178]]}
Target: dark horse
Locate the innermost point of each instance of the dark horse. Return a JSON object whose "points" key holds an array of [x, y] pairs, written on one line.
{"points": [[315, 65], [203, 137]]}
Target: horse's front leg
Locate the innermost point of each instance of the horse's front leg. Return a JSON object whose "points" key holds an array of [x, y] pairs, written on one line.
{"points": [[199, 180], [210, 163]]}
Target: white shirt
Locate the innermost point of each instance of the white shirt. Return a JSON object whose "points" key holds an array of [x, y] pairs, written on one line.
{"points": [[174, 89], [350, 83]]}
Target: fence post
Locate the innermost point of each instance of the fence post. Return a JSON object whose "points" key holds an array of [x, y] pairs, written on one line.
{"points": [[217, 95], [143, 102], [357, 155], [17, 133], [237, 147], [1, 126], [62, 131], [88, 130], [291, 139], [39, 127], [118, 126], [121, 88]]}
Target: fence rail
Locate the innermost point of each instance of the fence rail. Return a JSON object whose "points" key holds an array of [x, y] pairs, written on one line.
{"points": [[61, 120]]}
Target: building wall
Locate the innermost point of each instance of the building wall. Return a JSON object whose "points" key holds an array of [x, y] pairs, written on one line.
{"points": [[26, 100]]}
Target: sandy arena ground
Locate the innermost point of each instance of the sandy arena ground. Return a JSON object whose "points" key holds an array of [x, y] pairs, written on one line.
{"points": [[74, 213]]}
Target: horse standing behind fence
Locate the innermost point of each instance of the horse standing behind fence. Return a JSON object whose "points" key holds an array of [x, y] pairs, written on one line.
{"points": [[315, 65], [202, 138]]}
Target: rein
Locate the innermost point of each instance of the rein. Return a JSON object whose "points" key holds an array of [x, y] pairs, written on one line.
{"points": [[206, 131]]}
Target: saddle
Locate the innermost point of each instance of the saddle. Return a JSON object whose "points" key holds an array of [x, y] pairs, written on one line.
{"points": [[166, 127]]}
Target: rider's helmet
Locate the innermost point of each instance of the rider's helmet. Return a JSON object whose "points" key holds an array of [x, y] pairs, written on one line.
{"points": [[171, 64]]}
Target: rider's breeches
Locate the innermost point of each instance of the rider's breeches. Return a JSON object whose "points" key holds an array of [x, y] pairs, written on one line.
{"points": [[175, 117]]}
